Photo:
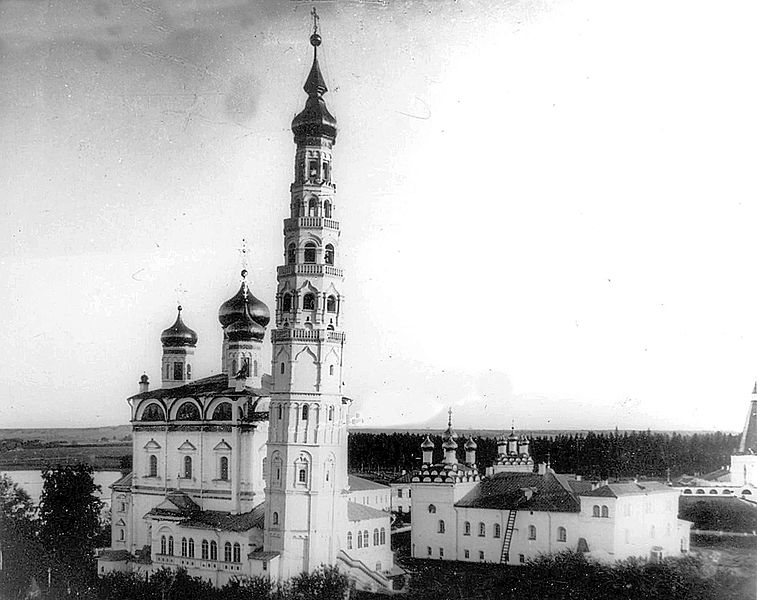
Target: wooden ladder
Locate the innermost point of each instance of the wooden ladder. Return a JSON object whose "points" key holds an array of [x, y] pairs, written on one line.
{"points": [[505, 558]]}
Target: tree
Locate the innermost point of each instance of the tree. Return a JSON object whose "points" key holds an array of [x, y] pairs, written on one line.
{"points": [[18, 546], [69, 514]]}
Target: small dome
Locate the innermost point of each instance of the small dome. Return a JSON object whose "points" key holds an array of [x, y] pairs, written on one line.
{"points": [[245, 329], [471, 444], [315, 119], [449, 444], [427, 444], [178, 334], [144, 378], [243, 301]]}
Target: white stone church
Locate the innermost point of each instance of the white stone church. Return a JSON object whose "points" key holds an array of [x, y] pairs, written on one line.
{"points": [[245, 473]]}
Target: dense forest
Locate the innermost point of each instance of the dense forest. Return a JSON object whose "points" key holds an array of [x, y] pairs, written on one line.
{"points": [[592, 455]]}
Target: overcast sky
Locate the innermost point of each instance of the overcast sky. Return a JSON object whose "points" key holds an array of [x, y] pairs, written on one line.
{"points": [[548, 207]]}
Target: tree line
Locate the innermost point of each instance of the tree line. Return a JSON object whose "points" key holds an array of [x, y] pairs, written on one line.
{"points": [[592, 455]]}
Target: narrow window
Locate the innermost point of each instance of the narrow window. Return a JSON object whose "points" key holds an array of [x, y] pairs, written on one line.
{"points": [[331, 304], [481, 530], [329, 255], [365, 538], [280, 411], [349, 540], [497, 530], [522, 558], [308, 302], [305, 409], [562, 534], [331, 372], [325, 171], [291, 253], [162, 544], [605, 511], [466, 530], [183, 546], [275, 518], [595, 511], [313, 170], [121, 535], [428, 550], [237, 552], [189, 371], [234, 366], [467, 553], [303, 476], [441, 552], [224, 468], [286, 303], [312, 207], [191, 548], [246, 366], [178, 371], [331, 413], [441, 526], [399, 493], [153, 466], [170, 545], [227, 552], [327, 209], [187, 467], [480, 555], [213, 551], [432, 509], [378, 567], [204, 550], [382, 536], [281, 368], [310, 252], [376, 537], [359, 540], [531, 532]]}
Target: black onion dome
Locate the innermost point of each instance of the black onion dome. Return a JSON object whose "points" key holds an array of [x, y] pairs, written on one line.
{"points": [[315, 120], [245, 329], [240, 304], [178, 334]]}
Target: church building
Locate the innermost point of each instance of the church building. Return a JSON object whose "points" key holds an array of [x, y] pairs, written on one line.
{"points": [[244, 473]]}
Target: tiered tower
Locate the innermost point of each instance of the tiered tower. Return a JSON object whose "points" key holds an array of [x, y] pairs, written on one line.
{"points": [[179, 343], [306, 486]]}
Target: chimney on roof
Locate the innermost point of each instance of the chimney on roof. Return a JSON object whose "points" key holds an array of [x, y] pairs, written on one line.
{"points": [[528, 492], [542, 469]]}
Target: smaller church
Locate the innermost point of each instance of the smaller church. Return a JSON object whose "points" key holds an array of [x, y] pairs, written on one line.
{"points": [[511, 511]]}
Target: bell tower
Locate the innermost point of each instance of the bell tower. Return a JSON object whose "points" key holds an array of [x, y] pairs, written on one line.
{"points": [[306, 473]]}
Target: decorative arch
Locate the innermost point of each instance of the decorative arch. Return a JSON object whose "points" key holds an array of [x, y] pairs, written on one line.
{"points": [[187, 409], [222, 412], [328, 254], [152, 411], [310, 251]]}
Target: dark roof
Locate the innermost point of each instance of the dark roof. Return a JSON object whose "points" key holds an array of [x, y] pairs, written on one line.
{"points": [[263, 555], [224, 521], [720, 474], [175, 505], [215, 385], [748, 442], [511, 491], [123, 484], [404, 478], [627, 488], [358, 484], [114, 555], [361, 512]]}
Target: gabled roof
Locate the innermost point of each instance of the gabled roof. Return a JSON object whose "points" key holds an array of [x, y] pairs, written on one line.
{"points": [[359, 484], [404, 478], [215, 385], [521, 491], [628, 488], [361, 512], [748, 442], [123, 484], [175, 505], [224, 521]]}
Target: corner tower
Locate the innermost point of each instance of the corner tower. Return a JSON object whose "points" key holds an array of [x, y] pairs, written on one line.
{"points": [[306, 486]]}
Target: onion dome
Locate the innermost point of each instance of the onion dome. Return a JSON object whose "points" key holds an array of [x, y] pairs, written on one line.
{"points": [[471, 444], [449, 432], [427, 444], [245, 329], [449, 444], [178, 334], [513, 435], [240, 304], [144, 378], [315, 120]]}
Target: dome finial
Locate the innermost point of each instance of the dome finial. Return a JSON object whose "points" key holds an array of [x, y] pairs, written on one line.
{"points": [[315, 39], [449, 420]]}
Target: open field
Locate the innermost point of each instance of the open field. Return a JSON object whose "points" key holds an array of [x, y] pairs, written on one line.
{"points": [[65, 434], [100, 457]]}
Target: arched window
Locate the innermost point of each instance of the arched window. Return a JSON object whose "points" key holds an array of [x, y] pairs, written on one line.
{"points": [[121, 535], [183, 546], [382, 536], [441, 526], [188, 412], [349, 540], [170, 545], [325, 171], [312, 207], [328, 256], [281, 368], [331, 412], [224, 474], [286, 303], [466, 530], [376, 537], [275, 518], [302, 477], [562, 534], [331, 304], [237, 552], [595, 511], [327, 207], [187, 467], [365, 538], [178, 371], [532, 532], [153, 412], [222, 412], [605, 511], [291, 253], [213, 551], [497, 530], [308, 302], [432, 509], [359, 540], [204, 549], [331, 372], [153, 460], [280, 412], [481, 530], [305, 409], [312, 170], [191, 548], [162, 544], [310, 252], [227, 552], [234, 366]]}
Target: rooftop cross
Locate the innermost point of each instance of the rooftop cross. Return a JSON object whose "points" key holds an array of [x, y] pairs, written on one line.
{"points": [[244, 250], [316, 18], [180, 291]]}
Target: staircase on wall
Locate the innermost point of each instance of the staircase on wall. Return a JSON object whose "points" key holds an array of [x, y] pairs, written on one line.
{"points": [[505, 558]]}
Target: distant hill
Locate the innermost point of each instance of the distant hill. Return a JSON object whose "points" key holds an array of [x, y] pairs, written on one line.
{"points": [[66, 434]]}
